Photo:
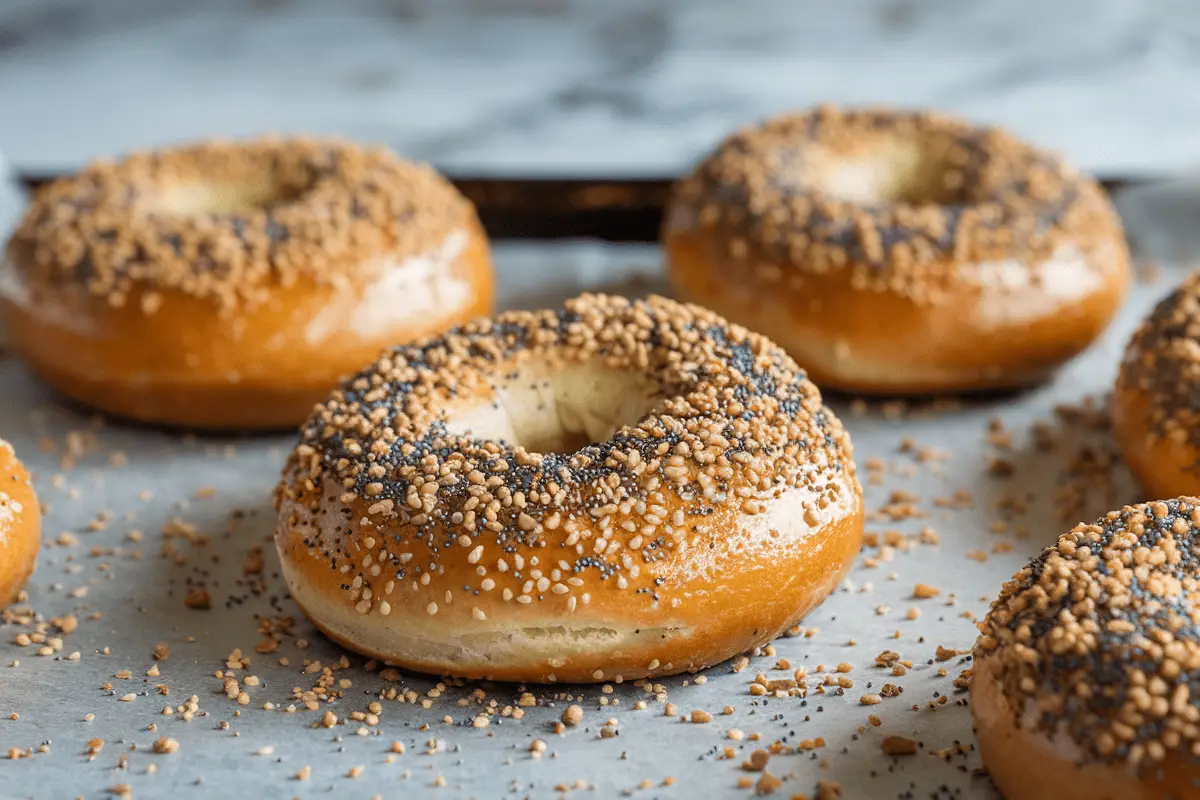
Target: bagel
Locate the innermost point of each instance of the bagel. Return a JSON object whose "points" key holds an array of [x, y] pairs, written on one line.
{"points": [[1086, 663], [1155, 413], [232, 285], [20, 525], [899, 252], [608, 491]]}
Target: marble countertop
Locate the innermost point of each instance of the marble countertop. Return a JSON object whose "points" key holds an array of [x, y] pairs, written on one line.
{"points": [[580, 87]]}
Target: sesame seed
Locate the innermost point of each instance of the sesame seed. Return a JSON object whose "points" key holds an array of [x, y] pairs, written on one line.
{"points": [[573, 715]]}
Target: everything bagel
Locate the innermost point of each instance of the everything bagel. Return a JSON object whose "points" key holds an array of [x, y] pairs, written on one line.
{"points": [[898, 252], [610, 490], [231, 285]]}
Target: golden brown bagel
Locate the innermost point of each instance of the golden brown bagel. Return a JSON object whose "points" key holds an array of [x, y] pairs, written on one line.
{"points": [[232, 285], [896, 252], [608, 491], [20, 525], [1086, 663], [1156, 402]]}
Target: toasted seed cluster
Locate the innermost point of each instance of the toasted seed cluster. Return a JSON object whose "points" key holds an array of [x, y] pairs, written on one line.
{"points": [[767, 191], [1099, 634], [320, 209], [734, 424], [1162, 360]]}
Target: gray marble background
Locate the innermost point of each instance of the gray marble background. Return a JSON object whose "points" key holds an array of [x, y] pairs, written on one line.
{"points": [[589, 86]]}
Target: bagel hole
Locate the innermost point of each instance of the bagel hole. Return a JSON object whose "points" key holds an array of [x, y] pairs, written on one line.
{"points": [[888, 170], [194, 199], [556, 411]]}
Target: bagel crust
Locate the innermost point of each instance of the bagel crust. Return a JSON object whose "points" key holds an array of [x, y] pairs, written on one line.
{"points": [[607, 491], [20, 525], [897, 252], [1086, 665], [1156, 402], [232, 285]]}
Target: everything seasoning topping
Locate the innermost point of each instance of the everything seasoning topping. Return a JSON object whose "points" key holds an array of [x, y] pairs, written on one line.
{"points": [[222, 221], [1099, 634], [733, 423], [943, 193], [1163, 361]]}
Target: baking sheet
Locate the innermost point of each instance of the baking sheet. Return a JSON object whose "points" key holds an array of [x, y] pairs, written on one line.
{"points": [[136, 518]]}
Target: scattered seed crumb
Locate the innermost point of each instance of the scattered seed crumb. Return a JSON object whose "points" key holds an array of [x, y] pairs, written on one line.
{"points": [[767, 784], [899, 746], [573, 715], [757, 761], [164, 744], [198, 599]]}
